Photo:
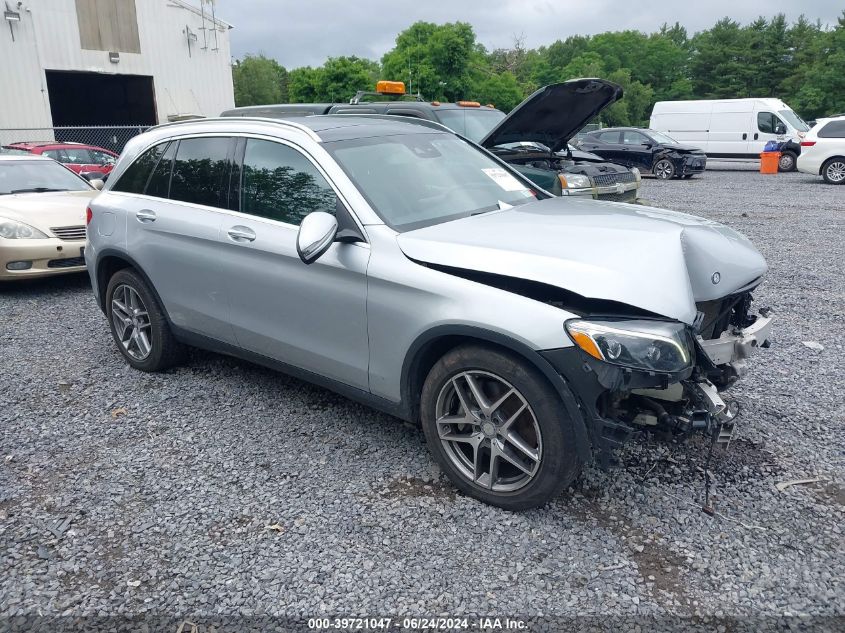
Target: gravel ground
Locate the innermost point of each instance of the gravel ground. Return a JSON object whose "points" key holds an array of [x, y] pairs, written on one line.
{"points": [[225, 488]]}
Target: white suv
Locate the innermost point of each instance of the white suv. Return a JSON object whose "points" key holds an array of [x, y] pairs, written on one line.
{"points": [[823, 151]]}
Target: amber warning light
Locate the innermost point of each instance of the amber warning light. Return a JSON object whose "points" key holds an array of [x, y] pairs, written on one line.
{"points": [[390, 87]]}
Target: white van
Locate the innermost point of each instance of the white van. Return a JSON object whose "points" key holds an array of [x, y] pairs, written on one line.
{"points": [[732, 128]]}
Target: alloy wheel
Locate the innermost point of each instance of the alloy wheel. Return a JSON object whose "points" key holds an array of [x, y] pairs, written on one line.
{"points": [[786, 162], [489, 431], [836, 171], [664, 170], [131, 322]]}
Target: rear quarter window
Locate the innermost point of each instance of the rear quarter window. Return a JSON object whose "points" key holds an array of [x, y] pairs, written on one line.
{"points": [[832, 129]]}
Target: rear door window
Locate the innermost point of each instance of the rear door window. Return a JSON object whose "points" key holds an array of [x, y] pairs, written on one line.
{"points": [[78, 156], [134, 179], [609, 137], [55, 154], [833, 129], [200, 171], [280, 183]]}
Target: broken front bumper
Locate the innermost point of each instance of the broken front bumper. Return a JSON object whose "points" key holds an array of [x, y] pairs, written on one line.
{"points": [[733, 347], [616, 400]]}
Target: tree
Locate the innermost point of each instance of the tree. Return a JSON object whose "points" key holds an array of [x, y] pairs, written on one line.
{"points": [[304, 85], [259, 80], [341, 77], [434, 60], [500, 89]]}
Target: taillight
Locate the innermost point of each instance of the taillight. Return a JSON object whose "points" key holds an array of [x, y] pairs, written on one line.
{"points": [[88, 216], [807, 143]]}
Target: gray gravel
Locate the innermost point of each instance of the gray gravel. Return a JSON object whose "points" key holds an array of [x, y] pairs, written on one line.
{"points": [[225, 488]]}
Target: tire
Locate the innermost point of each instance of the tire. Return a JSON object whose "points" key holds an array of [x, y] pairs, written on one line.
{"points": [[833, 171], [663, 169], [787, 162], [129, 297], [540, 435]]}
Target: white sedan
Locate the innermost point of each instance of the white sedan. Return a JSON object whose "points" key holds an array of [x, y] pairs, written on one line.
{"points": [[42, 217], [823, 151]]}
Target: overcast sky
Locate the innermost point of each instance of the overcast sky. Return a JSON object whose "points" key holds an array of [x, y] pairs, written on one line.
{"points": [[299, 33]]}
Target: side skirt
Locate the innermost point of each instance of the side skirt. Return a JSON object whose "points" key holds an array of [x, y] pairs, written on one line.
{"points": [[396, 409]]}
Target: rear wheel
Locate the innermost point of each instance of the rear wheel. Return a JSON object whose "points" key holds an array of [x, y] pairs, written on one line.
{"points": [[138, 324], [833, 171], [497, 428], [664, 169], [787, 161]]}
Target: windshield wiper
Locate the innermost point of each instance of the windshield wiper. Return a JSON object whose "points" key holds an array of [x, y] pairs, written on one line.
{"points": [[36, 190]]}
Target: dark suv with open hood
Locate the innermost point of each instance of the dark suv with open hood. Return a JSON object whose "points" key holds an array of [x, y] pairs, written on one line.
{"points": [[534, 137]]}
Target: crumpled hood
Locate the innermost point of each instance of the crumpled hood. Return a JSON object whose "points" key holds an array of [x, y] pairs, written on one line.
{"points": [[46, 210], [656, 260], [554, 113]]}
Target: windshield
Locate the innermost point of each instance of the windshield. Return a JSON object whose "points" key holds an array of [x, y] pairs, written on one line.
{"points": [[469, 122], [28, 176], [416, 180], [794, 120], [662, 138]]}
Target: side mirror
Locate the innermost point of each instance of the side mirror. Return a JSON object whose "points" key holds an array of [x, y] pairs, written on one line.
{"points": [[96, 183], [780, 129], [316, 233]]}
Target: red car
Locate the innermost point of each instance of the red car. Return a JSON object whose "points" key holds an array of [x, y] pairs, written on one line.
{"points": [[83, 159]]}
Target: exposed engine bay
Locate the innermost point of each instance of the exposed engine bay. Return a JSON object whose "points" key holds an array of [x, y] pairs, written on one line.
{"points": [[593, 174]]}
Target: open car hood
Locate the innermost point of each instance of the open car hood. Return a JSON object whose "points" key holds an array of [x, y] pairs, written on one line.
{"points": [[656, 260], [555, 113]]}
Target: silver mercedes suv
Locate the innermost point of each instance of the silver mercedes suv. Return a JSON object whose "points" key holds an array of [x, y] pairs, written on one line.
{"points": [[405, 267]]}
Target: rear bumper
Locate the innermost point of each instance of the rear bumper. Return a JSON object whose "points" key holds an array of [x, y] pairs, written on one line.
{"points": [[44, 257]]}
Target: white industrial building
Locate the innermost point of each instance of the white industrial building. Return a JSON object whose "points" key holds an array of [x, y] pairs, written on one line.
{"points": [[111, 62]]}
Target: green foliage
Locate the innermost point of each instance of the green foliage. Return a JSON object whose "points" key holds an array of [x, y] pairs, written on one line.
{"points": [[259, 80], [335, 81], [801, 63], [434, 60]]}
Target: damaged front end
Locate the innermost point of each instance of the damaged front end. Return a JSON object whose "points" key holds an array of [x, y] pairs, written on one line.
{"points": [[635, 375]]}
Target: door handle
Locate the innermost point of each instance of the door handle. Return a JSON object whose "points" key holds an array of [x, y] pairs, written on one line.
{"points": [[756, 135], [241, 234], [146, 215], [744, 136]]}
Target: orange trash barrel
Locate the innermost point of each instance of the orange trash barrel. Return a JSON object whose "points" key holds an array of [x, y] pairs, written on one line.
{"points": [[769, 162]]}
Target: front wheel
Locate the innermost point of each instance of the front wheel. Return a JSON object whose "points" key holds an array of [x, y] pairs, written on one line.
{"points": [[787, 161], [664, 169], [498, 429], [833, 171]]}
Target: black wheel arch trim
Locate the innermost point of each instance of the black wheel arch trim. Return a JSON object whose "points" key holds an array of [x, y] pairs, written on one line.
{"points": [[562, 385], [102, 284]]}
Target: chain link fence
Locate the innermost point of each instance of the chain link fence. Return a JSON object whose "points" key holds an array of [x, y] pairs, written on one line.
{"points": [[112, 137]]}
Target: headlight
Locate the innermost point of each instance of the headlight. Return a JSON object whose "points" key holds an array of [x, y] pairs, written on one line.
{"points": [[574, 181], [638, 344], [637, 173], [14, 230]]}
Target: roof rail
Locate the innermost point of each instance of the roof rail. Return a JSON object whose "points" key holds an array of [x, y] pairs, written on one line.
{"points": [[434, 125], [358, 98], [283, 122]]}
